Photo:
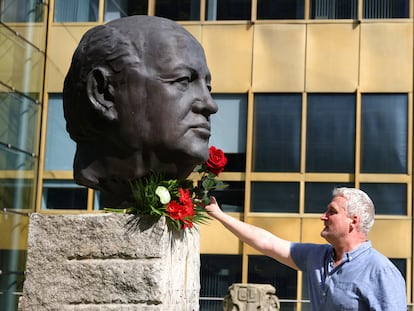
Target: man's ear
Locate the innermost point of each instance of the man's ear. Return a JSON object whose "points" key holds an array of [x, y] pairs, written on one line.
{"points": [[100, 93]]}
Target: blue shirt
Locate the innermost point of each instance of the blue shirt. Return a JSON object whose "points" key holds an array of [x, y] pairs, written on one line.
{"points": [[364, 280]]}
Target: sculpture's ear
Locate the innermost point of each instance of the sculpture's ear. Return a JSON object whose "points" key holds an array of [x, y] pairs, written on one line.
{"points": [[100, 93]]}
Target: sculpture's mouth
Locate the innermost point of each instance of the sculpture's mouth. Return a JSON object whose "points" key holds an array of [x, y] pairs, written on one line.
{"points": [[202, 130]]}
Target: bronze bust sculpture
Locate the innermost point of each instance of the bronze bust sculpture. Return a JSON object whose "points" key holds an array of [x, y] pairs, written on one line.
{"points": [[137, 99]]}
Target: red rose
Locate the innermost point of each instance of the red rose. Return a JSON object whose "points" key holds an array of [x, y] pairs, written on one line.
{"points": [[183, 210], [216, 161]]}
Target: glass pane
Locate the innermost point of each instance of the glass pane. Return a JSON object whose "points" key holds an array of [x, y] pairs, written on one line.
{"points": [[76, 10], [217, 273], [274, 197], [386, 8], [21, 11], [228, 10], [21, 66], [384, 133], [389, 199], [62, 194], [401, 264], [265, 270], [12, 266], [15, 160], [318, 195], [334, 9], [330, 140], [121, 8], [18, 122], [228, 129], [60, 149], [231, 199], [280, 9], [16, 194], [276, 133], [182, 10]]}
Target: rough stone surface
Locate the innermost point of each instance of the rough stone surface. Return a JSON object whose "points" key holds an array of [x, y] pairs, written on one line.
{"points": [[110, 262], [246, 297]]}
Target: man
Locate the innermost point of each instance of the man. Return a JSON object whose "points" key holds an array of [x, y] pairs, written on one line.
{"points": [[348, 273], [137, 100]]}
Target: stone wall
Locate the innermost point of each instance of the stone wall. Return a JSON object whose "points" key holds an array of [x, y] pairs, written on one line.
{"points": [[110, 262]]}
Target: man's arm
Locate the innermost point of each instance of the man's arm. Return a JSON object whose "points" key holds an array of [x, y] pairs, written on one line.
{"points": [[258, 238]]}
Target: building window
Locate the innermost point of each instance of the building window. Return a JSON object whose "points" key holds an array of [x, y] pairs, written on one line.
{"points": [[76, 11], [280, 9], [228, 129], [228, 10], [276, 133], [266, 270], [21, 11], [389, 199], [182, 10], [319, 194], [60, 149], [384, 133], [63, 194], [12, 267], [231, 199], [121, 8], [330, 133], [274, 197], [217, 273], [18, 124], [386, 8], [334, 9]]}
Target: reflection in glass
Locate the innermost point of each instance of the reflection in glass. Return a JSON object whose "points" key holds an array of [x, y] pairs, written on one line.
{"points": [[276, 133], [334, 9], [181, 10], [18, 122], [389, 199], [21, 11], [319, 194], [12, 266], [266, 270], [121, 8], [231, 199], [228, 129], [60, 149], [330, 133], [217, 273], [62, 194], [21, 66], [274, 197], [384, 133], [228, 10], [16, 193], [280, 9], [386, 8], [76, 10]]}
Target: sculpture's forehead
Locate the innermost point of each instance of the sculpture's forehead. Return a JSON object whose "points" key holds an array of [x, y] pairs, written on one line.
{"points": [[170, 49]]}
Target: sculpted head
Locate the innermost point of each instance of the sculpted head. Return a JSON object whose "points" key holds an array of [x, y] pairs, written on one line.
{"points": [[137, 99]]}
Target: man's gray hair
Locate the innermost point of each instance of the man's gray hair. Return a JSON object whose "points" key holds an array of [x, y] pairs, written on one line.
{"points": [[360, 204]]}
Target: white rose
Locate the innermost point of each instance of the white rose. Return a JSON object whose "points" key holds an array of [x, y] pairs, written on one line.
{"points": [[163, 194]]}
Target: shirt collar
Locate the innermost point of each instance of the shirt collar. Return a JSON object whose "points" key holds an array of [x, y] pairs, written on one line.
{"points": [[354, 253]]}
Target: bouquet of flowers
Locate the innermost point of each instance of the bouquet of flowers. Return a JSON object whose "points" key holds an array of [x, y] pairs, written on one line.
{"points": [[180, 201]]}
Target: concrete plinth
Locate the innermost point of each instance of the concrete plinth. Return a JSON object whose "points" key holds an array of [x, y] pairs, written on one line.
{"points": [[110, 262]]}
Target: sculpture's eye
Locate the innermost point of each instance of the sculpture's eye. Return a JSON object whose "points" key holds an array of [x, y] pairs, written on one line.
{"points": [[183, 82]]}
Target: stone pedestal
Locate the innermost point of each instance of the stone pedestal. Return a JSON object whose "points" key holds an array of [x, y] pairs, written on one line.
{"points": [[249, 297], [110, 262]]}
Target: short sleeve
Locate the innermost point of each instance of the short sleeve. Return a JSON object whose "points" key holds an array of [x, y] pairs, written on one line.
{"points": [[308, 255]]}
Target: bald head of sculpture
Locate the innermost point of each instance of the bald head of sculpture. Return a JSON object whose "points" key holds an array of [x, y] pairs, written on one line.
{"points": [[137, 100]]}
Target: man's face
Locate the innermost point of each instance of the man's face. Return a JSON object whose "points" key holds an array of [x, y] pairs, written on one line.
{"points": [[169, 105], [335, 219]]}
